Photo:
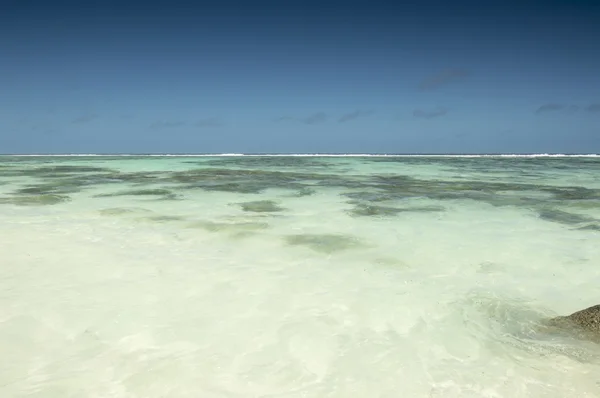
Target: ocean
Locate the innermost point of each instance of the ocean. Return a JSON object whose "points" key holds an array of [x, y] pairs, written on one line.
{"points": [[297, 276]]}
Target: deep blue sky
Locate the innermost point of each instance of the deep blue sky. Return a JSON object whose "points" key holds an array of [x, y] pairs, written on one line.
{"points": [[299, 76]]}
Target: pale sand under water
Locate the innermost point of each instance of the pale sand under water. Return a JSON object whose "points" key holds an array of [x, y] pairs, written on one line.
{"points": [[296, 276]]}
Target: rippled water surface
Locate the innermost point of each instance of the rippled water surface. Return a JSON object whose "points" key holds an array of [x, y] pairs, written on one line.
{"points": [[281, 276]]}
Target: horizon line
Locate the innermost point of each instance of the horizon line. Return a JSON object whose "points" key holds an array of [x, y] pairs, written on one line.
{"points": [[316, 154]]}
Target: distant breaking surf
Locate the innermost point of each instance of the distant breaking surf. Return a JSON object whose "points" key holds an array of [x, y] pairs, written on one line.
{"points": [[508, 155]]}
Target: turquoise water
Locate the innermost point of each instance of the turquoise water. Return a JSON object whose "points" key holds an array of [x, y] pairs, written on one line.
{"points": [[290, 276]]}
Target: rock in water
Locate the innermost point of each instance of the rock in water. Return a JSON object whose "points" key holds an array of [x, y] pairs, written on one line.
{"points": [[587, 322], [588, 318]]}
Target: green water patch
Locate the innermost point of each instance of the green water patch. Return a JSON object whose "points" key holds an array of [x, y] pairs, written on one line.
{"points": [[474, 190], [584, 204], [7, 171], [124, 211], [49, 182], [161, 218], [381, 188], [390, 262], [18, 173], [229, 226], [161, 193], [369, 196], [236, 187], [302, 192], [511, 200], [72, 169], [517, 198], [490, 267], [138, 178], [590, 227], [573, 193], [564, 217], [56, 171], [514, 166], [304, 176], [140, 214], [578, 221], [325, 243], [240, 181], [52, 187], [140, 192], [170, 197], [369, 210], [366, 210], [35, 200], [261, 206], [239, 228], [279, 162], [389, 187], [226, 175], [347, 181], [377, 187]]}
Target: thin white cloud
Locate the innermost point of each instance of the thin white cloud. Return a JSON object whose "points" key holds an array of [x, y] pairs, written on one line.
{"points": [[442, 78], [593, 108], [208, 122], [354, 115], [551, 107], [315, 118], [430, 114], [160, 124], [85, 118]]}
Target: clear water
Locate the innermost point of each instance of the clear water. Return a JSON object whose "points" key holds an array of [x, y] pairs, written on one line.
{"points": [[296, 276]]}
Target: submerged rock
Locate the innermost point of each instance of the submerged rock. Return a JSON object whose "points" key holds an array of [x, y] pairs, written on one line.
{"points": [[564, 217], [35, 200], [261, 206], [362, 210], [247, 226], [325, 243], [117, 211], [584, 323], [162, 218], [372, 210], [138, 192], [234, 229]]}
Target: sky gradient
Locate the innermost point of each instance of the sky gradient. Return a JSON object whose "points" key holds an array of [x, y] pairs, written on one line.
{"points": [[299, 77]]}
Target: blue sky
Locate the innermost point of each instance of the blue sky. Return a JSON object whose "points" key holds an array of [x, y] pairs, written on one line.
{"points": [[297, 77]]}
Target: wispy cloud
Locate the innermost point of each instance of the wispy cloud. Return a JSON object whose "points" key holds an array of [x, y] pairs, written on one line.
{"points": [[593, 108], [51, 131], [551, 107], [557, 107], [84, 118], [354, 115], [431, 113], [208, 122], [285, 119], [160, 124], [316, 118], [442, 78]]}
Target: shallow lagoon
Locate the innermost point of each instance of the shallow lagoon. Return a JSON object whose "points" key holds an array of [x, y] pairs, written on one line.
{"points": [[287, 276]]}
